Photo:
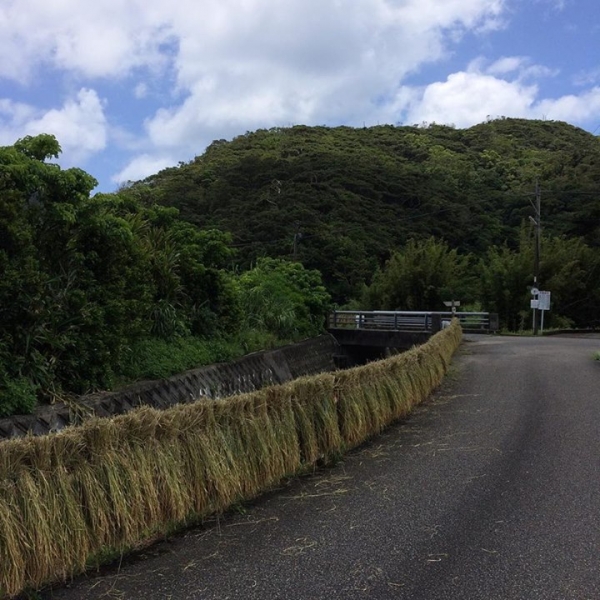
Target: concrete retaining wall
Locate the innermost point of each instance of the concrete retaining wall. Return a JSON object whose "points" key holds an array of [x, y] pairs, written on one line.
{"points": [[246, 374]]}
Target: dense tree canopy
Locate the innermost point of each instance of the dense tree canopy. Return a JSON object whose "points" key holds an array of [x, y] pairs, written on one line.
{"points": [[421, 277], [569, 269], [346, 198], [284, 298], [83, 279]]}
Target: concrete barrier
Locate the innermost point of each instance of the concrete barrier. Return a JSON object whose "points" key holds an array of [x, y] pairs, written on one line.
{"points": [[246, 374]]}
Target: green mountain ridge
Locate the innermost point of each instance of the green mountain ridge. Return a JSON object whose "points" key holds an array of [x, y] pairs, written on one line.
{"points": [[341, 199]]}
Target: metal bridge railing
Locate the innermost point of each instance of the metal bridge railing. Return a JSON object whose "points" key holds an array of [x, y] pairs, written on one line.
{"points": [[474, 321], [380, 320]]}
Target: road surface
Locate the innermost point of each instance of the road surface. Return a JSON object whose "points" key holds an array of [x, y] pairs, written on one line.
{"points": [[491, 490]]}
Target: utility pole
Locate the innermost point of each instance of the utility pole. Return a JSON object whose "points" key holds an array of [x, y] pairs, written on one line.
{"points": [[537, 221]]}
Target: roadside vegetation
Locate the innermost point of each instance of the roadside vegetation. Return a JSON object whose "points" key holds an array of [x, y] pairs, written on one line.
{"points": [[250, 244], [99, 290]]}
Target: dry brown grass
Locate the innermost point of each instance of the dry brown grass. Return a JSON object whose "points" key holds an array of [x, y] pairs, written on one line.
{"points": [[108, 485]]}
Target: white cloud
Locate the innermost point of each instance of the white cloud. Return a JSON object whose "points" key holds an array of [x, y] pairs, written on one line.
{"points": [[12, 117], [142, 166], [216, 68], [469, 97], [507, 64], [588, 77], [243, 64], [571, 108], [272, 63], [522, 66], [230, 55], [97, 39], [79, 125]]}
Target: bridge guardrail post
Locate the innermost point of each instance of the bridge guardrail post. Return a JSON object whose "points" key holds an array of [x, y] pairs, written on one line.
{"points": [[494, 322], [436, 323]]}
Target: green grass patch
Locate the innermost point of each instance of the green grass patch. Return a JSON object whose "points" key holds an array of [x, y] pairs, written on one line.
{"points": [[155, 358]]}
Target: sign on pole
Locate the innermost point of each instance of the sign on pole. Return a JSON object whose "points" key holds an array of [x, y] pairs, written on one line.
{"points": [[543, 305], [452, 304], [544, 300]]}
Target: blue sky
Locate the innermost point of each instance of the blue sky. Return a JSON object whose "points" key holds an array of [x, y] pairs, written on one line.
{"points": [[132, 86]]}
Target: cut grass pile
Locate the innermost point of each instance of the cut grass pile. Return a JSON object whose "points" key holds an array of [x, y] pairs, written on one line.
{"points": [[107, 486]]}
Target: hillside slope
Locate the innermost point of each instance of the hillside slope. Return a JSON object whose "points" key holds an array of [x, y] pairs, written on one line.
{"points": [[340, 199]]}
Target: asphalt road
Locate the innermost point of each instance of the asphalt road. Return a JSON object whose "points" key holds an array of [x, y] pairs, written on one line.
{"points": [[489, 491]]}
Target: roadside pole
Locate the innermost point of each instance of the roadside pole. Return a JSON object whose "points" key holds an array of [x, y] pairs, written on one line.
{"points": [[536, 266], [543, 305]]}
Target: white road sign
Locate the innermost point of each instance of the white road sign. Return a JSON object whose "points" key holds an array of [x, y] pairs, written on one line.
{"points": [[544, 300]]}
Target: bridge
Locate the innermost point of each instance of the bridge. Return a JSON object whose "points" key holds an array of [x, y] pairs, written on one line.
{"points": [[369, 335]]}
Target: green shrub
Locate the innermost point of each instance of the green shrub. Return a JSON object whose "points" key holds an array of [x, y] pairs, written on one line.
{"points": [[284, 298], [17, 396], [156, 358]]}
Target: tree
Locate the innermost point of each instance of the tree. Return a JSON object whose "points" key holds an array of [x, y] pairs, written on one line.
{"points": [[421, 277], [39, 147], [73, 291], [569, 269], [357, 194], [505, 277], [284, 298], [82, 278]]}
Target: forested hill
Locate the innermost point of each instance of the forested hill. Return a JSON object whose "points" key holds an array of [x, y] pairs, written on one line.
{"points": [[100, 289], [342, 199]]}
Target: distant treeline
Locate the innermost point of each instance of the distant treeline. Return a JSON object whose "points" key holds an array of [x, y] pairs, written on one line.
{"points": [[343, 200]]}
